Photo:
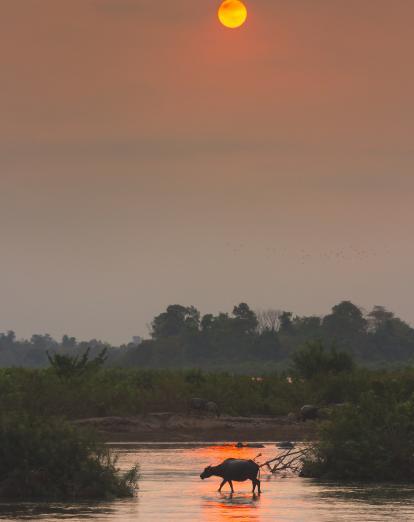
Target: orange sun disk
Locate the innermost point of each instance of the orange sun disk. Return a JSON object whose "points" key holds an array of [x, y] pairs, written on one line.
{"points": [[232, 13]]}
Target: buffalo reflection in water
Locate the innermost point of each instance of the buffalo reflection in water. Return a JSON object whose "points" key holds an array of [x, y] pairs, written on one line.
{"points": [[231, 507]]}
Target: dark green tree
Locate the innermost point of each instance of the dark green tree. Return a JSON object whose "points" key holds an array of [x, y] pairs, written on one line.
{"points": [[245, 319], [68, 343], [286, 325], [379, 317], [67, 366], [207, 322], [267, 346], [175, 321], [346, 321], [313, 360], [43, 342]]}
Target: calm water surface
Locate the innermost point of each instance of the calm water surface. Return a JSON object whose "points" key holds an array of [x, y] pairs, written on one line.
{"points": [[171, 490]]}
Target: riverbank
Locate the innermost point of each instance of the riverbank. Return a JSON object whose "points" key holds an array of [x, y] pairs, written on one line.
{"points": [[171, 427]]}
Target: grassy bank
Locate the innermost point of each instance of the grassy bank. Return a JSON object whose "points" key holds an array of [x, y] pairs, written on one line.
{"points": [[123, 392]]}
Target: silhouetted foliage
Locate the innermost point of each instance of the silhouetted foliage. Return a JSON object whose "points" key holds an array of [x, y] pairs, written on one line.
{"points": [[47, 458], [68, 366], [241, 341], [313, 359], [125, 392], [345, 320], [175, 321], [371, 440]]}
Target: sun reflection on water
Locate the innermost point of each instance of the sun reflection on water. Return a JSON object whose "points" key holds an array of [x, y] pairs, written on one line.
{"points": [[240, 506], [231, 507], [217, 454], [170, 490]]}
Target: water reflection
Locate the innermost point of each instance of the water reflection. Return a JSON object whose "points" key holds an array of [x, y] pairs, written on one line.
{"points": [[231, 507], [42, 511], [217, 454], [171, 490], [76, 511], [371, 493]]}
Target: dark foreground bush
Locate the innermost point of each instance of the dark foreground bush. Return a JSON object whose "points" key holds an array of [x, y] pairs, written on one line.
{"points": [[369, 441], [50, 459]]}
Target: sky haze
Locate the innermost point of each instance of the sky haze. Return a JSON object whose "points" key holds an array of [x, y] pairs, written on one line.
{"points": [[149, 156]]}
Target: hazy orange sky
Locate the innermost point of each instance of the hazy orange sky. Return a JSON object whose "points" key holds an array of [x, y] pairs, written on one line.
{"points": [[149, 156]]}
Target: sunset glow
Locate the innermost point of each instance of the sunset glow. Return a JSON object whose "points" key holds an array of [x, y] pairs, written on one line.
{"points": [[232, 13], [206, 275]]}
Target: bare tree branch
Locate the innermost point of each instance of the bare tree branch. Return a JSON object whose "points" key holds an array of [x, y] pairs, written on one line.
{"points": [[289, 460], [268, 320]]}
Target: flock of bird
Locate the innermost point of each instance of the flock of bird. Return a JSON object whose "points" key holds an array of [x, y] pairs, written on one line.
{"points": [[348, 254]]}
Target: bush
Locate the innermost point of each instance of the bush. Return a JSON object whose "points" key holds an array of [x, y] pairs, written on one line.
{"points": [[129, 392], [68, 367], [313, 359], [50, 459], [372, 440]]}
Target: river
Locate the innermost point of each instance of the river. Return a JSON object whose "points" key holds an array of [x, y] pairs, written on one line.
{"points": [[170, 490]]}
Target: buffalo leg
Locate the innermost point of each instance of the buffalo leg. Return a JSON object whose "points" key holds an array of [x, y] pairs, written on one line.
{"points": [[231, 485], [221, 485], [256, 483]]}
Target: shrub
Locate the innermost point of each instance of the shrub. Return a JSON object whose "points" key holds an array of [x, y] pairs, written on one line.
{"points": [[50, 459], [67, 366], [372, 440], [313, 359]]}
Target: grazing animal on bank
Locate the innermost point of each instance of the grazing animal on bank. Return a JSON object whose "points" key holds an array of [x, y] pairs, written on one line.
{"points": [[204, 407], [285, 444], [309, 412], [234, 469]]}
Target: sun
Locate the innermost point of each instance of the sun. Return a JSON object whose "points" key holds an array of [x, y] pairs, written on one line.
{"points": [[232, 13]]}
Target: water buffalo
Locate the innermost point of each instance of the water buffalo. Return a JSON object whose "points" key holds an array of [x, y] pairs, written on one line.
{"points": [[249, 445], [234, 469], [203, 406], [309, 412], [285, 444]]}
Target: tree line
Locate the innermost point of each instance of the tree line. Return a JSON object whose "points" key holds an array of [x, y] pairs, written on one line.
{"points": [[244, 340]]}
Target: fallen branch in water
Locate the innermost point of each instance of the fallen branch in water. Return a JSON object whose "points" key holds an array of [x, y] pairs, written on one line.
{"points": [[289, 460]]}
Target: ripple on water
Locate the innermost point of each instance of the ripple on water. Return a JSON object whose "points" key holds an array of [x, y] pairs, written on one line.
{"points": [[171, 490]]}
